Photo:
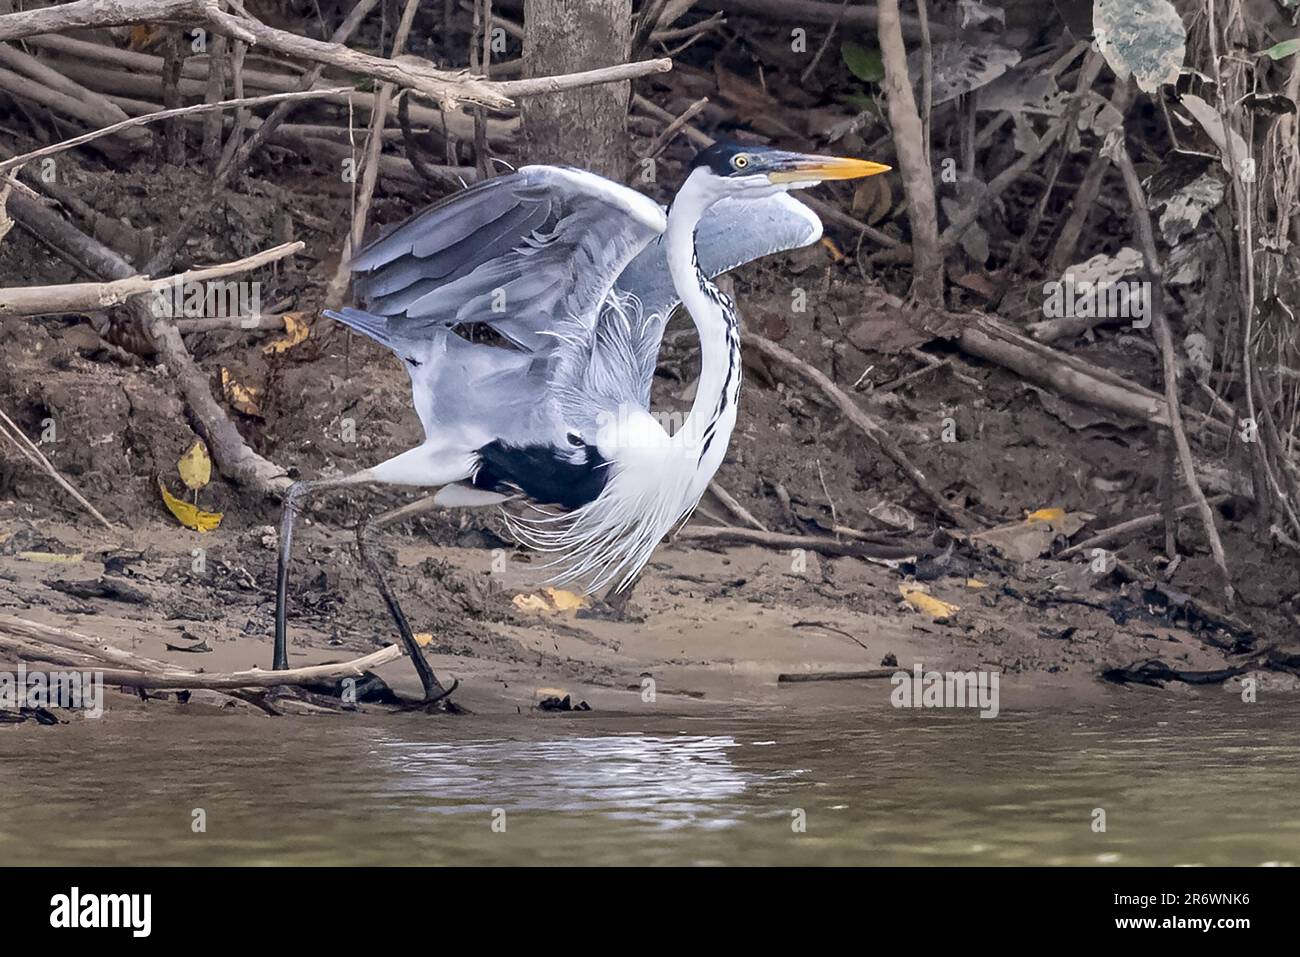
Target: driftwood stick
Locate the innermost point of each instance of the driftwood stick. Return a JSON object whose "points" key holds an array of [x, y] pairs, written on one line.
{"points": [[801, 676], [868, 425], [1109, 535], [88, 296], [812, 543], [734, 507], [18, 635]]}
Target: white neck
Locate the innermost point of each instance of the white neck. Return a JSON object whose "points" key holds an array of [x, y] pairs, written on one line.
{"points": [[719, 382]]}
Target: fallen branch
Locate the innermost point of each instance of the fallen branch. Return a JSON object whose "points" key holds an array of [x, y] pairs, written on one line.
{"points": [[229, 450], [812, 543], [873, 430], [26, 638], [88, 296], [801, 676], [1108, 535]]}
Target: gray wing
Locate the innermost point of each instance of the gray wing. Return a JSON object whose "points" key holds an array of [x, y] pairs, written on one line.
{"points": [[733, 233], [528, 254]]}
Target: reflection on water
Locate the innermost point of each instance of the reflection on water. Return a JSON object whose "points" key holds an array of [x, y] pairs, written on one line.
{"points": [[1207, 783], [670, 782]]}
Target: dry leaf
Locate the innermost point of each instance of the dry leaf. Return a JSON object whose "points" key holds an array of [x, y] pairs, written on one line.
{"points": [[936, 609], [242, 398], [829, 245], [144, 35], [1025, 541], [296, 330], [423, 638], [195, 466], [976, 583], [550, 602], [191, 516]]}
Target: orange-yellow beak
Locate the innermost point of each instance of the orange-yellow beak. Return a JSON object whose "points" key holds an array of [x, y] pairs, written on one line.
{"points": [[802, 168]]}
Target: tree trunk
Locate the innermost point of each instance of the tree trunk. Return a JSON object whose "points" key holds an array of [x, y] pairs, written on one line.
{"points": [[914, 164], [585, 127]]}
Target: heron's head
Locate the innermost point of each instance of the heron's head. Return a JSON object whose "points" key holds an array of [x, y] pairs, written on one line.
{"points": [[730, 169]]}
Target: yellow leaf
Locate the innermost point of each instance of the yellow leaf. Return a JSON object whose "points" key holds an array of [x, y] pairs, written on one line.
{"points": [[143, 35], [836, 255], [195, 466], [531, 603], [242, 398], [296, 329], [552, 601], [566, 600], [976, 583], [1046, 515], [423, 638], [189, 515], [52, 558], [932, 606]]}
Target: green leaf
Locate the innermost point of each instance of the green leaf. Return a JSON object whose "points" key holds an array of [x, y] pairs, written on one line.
{"points": [[865, 64], [1281, 51], [860, 102]]}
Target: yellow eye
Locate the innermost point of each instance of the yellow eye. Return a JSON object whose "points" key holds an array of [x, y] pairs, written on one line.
{"points": [[740, 162]]}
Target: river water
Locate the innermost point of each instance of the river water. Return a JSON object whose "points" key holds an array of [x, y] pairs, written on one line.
{"points": [[1210, 782]]}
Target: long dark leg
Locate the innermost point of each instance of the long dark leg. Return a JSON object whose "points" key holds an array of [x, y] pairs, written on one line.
{"points": [[433, 689], [613, 604], [292, 503]]}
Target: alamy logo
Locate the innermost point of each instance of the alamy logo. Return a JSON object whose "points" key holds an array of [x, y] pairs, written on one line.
{"points": [[133, 911], [214, 299], [1100, 299], [946, 689], [52, 689]]}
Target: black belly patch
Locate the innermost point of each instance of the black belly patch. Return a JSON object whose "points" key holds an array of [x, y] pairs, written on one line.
{"points": [[543, 473]]}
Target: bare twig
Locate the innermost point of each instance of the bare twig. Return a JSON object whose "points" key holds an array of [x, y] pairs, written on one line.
{"points": [[672, 129], [868, 425], [812, 543], [1155, 276], [800, 676], [1113, 534], [734, 507], [167, 114], [82, 296]]}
